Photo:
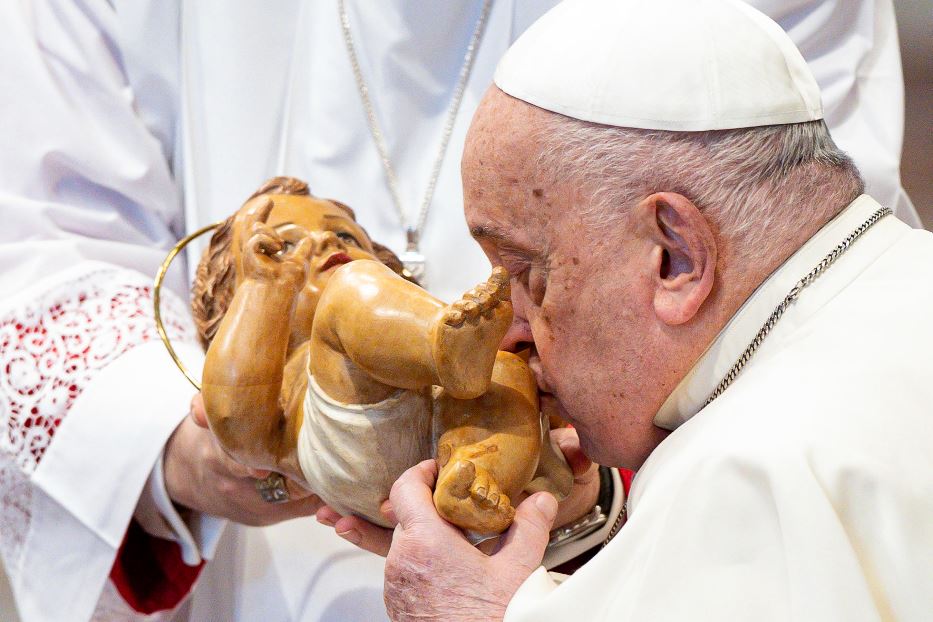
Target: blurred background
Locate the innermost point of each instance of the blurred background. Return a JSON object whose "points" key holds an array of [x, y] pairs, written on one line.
{"points": [[915, 26]]}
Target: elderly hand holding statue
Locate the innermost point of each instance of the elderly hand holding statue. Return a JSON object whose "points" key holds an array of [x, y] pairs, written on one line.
{"points": [[703, 282]]}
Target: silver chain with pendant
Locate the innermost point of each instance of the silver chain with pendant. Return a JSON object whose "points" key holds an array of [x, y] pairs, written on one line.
{"points": [[789, 299], [412, 258]]}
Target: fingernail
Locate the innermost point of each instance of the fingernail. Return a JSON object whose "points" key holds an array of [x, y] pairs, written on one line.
{"points": [[547, 505], [326, 521], [352, 536]]}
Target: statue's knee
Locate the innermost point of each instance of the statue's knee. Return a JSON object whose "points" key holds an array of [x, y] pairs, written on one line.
{"points": [[359, 279]]}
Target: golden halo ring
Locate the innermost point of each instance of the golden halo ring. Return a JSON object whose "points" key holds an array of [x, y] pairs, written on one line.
{"points": [[156, 298]]}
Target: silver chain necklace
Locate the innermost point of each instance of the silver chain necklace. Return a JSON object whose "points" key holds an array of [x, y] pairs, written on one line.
{"points": [[791, 296], [412, 258]]}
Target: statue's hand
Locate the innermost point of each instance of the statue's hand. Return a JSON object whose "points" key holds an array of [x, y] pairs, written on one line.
{"points": [[268, 257]]}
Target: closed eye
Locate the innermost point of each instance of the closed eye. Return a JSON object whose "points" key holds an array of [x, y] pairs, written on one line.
{"points": [[528, 273], [349, 238], [515, 262]]}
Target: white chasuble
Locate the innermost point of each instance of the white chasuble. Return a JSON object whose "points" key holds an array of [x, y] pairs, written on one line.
{"points": [[134, 121], [805, 491]]}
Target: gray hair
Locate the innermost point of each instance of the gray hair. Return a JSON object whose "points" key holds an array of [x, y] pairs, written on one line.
{"points": [[752, 183]]}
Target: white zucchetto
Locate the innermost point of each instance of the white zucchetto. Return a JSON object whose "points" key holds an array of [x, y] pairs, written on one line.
{"points": [[676, 65]]}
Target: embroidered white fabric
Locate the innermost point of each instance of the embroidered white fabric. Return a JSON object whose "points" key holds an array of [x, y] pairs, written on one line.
{"points": [[53, 340], [112, 608]]}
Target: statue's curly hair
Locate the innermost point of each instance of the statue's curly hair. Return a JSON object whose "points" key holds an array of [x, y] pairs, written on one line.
{"points": [[215, 279]]}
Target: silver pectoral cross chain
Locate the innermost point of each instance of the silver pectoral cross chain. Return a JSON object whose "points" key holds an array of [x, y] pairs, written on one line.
{"points": [[776, 315], [413, 260]]}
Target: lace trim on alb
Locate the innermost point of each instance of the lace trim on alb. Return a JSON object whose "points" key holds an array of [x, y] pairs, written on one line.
{"points": [[51, 346]]}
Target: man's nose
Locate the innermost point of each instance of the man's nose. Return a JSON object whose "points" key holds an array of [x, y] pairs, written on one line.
{"points": [[518, 337]]}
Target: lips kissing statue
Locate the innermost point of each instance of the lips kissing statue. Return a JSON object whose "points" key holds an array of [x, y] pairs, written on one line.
{"points": [[326, 365]]}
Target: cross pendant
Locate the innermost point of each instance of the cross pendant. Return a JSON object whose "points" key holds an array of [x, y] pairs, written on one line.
{"points": [[413, 260]]}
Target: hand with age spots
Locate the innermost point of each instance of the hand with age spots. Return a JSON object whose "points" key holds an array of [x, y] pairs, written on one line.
{"points": [[434, 573]]}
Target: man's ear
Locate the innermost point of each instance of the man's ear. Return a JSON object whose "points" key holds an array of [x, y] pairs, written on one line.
{"points": [[683, 255]]}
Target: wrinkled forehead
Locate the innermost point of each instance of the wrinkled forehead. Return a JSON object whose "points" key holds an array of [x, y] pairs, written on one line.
{"points": [[501, 184], [503, 134]]}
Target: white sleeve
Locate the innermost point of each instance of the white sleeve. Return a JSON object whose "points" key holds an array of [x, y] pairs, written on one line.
{"points": [[197, 534], [87, 403], [561, 550], [123, 419], [82, 177], [89, 207], [852, 49], [759, 518], [719, 541]]}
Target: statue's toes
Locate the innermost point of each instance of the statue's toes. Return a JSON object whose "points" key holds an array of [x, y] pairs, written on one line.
{"points": [[460, 481]]}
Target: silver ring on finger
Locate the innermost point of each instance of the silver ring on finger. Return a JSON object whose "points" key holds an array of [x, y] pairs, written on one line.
{"points": [[272, 488]]}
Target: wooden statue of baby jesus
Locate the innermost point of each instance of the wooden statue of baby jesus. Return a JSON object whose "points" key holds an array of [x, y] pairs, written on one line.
{"points": [[327, 366]]}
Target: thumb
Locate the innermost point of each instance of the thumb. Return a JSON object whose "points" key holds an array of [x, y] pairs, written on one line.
{"points": [[260, 212], [412, 495], [526, 539]]}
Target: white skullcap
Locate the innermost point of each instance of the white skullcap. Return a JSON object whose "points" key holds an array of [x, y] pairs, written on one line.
{"points": [[677, 65]]}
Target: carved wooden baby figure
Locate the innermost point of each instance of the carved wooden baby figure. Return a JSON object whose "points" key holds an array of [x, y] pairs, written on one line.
{"points": [[327, 366]]}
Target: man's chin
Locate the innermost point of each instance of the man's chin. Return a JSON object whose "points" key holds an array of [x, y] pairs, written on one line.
{"points": [[605, 449], [596, 445], [591, 447]]}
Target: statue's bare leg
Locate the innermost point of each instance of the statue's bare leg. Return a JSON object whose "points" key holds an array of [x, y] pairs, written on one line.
{"points": [[467, 332], [489, 450], [374, 332]]}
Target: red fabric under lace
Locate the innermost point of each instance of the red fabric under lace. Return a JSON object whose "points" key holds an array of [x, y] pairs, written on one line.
{"points": [[51, 347]]}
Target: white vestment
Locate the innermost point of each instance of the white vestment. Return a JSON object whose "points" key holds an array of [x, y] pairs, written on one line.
{"points": [[805, 491], [128, 123]]}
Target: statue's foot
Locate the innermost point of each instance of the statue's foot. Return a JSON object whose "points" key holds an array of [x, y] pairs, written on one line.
{"points": [[469, 497], [466, 336]]}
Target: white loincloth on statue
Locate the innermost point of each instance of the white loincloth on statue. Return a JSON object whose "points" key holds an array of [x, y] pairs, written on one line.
{"points": [[351, 454]]}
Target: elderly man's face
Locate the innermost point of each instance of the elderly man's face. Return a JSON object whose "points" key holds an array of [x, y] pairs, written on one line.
{"points": [[579, 292]]}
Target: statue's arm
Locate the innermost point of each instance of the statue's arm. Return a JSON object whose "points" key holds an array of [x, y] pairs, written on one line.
{"points": [[243, 372], [244, 368]]}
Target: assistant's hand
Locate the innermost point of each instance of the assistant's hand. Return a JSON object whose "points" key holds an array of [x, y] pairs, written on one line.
{"points": [[200, 476], [434, 573], [359, 531]]}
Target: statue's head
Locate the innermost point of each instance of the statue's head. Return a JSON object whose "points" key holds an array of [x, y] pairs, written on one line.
{"points": [[295, 214]]}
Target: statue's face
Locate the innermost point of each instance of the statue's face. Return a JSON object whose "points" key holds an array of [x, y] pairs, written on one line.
{"points": [[338, 239]]}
